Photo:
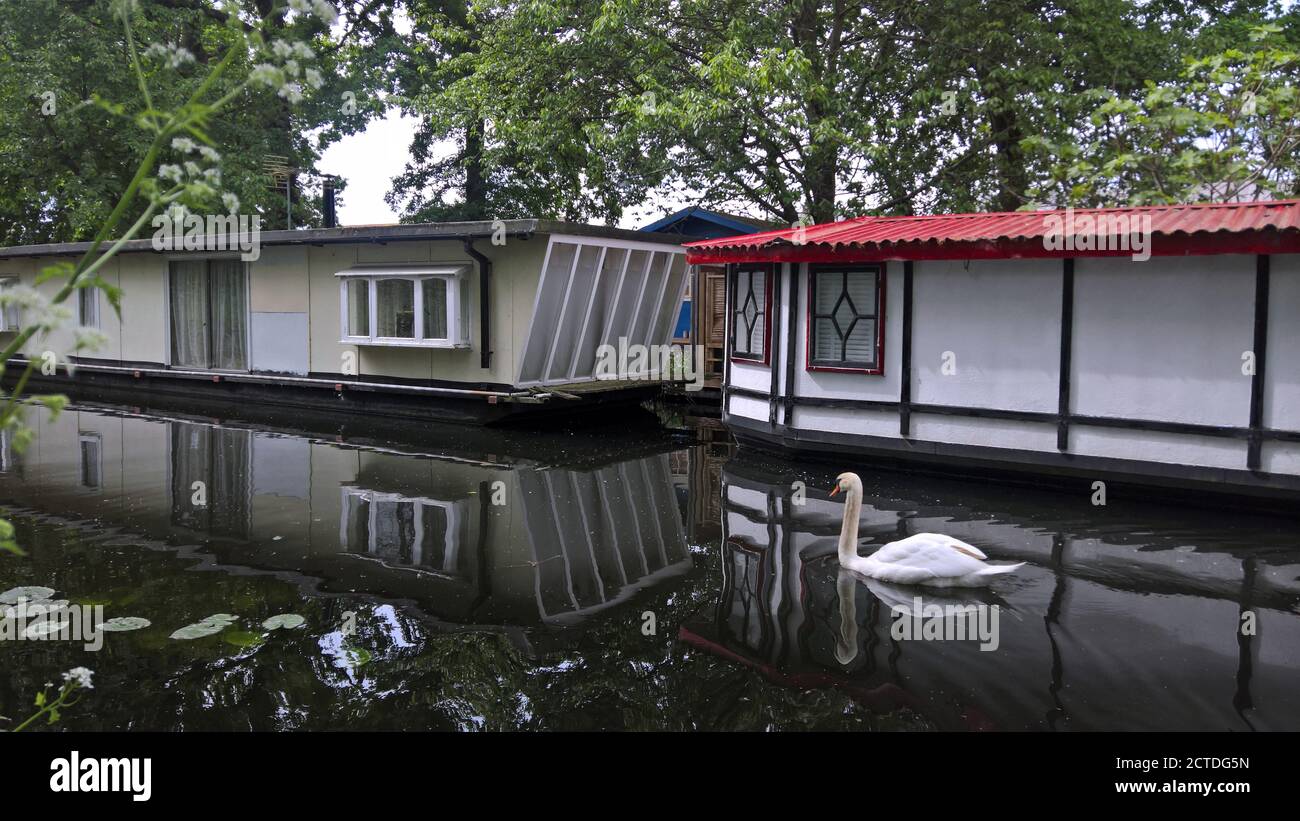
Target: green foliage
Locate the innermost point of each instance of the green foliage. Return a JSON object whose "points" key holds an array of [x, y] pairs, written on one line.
{"points": [[73, 136], [1227, 129], [815, 108]]}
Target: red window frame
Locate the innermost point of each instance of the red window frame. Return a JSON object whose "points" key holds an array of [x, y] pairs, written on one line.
{"points": [[881, 283], [733, 278]]}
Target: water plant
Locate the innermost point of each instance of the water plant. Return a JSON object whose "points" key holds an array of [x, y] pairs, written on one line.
{"points": [[78, 678]]}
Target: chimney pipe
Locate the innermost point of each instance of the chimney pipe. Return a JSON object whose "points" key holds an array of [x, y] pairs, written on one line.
{"points": [[330, 215]]}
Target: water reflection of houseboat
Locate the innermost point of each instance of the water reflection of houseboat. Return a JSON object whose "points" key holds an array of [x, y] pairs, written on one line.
{"points": [[1103, 628], [490, 540]]}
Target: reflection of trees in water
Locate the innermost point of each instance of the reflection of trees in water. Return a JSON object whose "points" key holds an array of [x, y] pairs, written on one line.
{"points": [[604, 675]]}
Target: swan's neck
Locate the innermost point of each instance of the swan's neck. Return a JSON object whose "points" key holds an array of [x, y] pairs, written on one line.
{"points": [[849, 529]]}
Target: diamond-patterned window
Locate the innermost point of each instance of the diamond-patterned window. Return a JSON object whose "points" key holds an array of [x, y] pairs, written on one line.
{"points": [[847, 307], [750, 313]]}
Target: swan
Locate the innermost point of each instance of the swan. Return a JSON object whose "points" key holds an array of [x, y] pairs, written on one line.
{"points": [[930, 559]]}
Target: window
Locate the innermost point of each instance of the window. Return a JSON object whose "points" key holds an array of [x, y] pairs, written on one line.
{"points": [[845, 331], [422, 307], [9, 318], [88, 307], [209, 314], [751, 314]]}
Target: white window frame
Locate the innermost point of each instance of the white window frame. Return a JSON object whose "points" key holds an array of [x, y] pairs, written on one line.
{"points": [[10, 317], [373, 498], [458, 330]]}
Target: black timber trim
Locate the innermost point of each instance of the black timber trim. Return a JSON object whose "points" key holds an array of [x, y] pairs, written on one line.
{"points": [[1039, 417], [774, 339], [792, 342], [1067, 348], [1014, 463], [1260, 350], [727, 331], [905, 369]]}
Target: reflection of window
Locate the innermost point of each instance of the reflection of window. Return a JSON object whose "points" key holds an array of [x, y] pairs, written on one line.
{"points": [[9, 319], [92, 459], [425, 307], [751, 311], [403, 531], [211, 479], [847, 303]]}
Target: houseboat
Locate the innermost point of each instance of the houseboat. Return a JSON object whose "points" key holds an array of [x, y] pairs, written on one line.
{"points": [[476, 322], [1150, 346]]}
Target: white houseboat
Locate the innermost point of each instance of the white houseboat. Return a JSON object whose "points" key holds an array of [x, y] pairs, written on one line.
{"points": [[471, 322], [1156, 346]]}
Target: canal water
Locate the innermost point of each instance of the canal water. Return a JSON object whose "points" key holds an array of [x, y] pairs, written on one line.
{"points": [[631, 577]]}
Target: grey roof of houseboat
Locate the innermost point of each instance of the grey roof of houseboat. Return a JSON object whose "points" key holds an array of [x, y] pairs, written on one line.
{"points": [[379, 234]]}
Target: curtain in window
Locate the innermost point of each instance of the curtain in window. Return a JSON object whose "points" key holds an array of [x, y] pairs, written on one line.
{"points": [[229, 309], [844, 324], [359, 307], [189, 314], [751, 313], [435, 308], [395, 301]]}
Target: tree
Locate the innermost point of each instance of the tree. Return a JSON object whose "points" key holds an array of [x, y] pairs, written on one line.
{"points": [[1227, 129], [810, 108], [65, 162]]}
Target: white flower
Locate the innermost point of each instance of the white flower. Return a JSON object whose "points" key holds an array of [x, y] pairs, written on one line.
{"points": [[212, 176], [265, 73], [231, 202], [177, 212], [171, 172], [302, 50], [282, 49], [79, 676], [183, 144], [192, 168], [326, 11], [291, 92], [180, 56], [88, 339], [209, 154], [300, 5], [291, 67], [314, 79]]}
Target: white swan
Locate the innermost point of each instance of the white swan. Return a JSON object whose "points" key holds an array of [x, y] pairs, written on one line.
{"points": [[930, 559]]}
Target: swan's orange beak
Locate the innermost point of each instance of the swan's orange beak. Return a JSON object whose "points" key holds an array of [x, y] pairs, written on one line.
{"points": [[835, 490]]}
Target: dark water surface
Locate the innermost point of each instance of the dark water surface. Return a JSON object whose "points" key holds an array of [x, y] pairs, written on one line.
{"points": [[630, 578]]}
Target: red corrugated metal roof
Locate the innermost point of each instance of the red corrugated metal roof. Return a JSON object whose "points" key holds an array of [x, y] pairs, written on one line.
{"points": [[1015, 232]]}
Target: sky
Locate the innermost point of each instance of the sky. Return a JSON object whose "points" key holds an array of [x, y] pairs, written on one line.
{"points": [[370, 159]]}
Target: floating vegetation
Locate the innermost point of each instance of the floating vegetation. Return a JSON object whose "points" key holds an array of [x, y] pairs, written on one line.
{"points": [[30, 594], [210, 626], [244, 639], [122, 624], [286, 620]]}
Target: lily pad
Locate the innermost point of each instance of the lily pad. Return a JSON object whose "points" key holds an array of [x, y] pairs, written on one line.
{"points": [[220, 618], [45, 627], [198, 630], [31, 594], [286, 620], [122, 624]]}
